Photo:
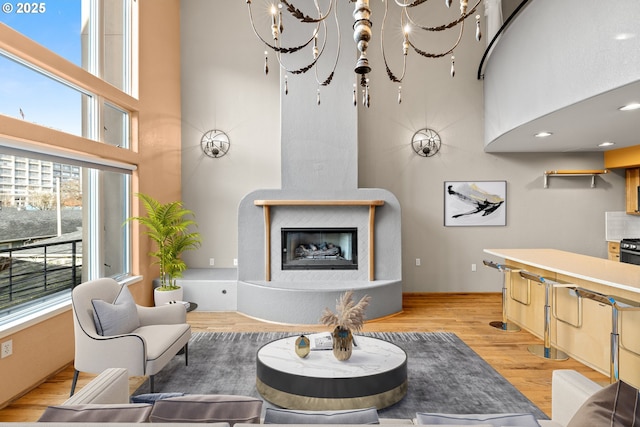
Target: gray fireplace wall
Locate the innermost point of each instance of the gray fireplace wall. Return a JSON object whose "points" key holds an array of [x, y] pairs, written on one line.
{"points": [[319, 161], [251, 234]]}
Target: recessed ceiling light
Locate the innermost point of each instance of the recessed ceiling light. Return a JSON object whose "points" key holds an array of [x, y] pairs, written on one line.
{"points": [[630, 107], [606, 144], [543, 134]]}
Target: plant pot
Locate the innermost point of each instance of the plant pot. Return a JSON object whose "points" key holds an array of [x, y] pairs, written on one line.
{"points": [[163, 297], [342, 343]]}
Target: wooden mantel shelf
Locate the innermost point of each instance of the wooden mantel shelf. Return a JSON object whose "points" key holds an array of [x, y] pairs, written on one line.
{"points": [[266, 205], [318, 202]]}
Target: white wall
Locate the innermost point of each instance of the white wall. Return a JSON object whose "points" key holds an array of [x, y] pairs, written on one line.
{"points": [[223, 86]]}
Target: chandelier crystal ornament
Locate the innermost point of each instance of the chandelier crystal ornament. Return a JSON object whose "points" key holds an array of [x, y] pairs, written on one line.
{"points": [[362, 35]]}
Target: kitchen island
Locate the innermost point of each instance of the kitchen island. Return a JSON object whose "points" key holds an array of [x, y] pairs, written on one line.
{"points": [[581, 327]]}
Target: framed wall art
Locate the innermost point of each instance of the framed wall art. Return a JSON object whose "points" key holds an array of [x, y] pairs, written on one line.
{"points": [[475, 203]]}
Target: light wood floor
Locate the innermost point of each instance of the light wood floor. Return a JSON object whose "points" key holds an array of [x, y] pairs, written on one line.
{"points": [[467, 315]]}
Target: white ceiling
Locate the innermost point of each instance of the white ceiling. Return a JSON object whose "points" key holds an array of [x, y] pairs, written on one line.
{"points": [[579, 127]]}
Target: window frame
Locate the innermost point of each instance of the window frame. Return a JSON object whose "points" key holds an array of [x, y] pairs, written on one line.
{"points": [[26, 136]]}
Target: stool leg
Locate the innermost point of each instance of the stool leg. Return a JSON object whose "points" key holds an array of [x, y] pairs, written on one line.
{"points": [[546, 351], [614, 373], [504, 325]]}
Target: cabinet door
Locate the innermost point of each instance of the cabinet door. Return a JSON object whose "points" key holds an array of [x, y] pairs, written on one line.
{"points": [[632, 183], [614, 251]]}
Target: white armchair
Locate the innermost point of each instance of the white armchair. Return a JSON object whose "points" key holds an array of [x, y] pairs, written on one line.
{"points": [[158, 334]]}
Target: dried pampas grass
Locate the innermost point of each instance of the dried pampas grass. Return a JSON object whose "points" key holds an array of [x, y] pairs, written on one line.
{"points": [[348, 315]]}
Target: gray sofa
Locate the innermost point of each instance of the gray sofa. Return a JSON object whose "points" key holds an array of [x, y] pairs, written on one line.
{"points": [[570, 390]]}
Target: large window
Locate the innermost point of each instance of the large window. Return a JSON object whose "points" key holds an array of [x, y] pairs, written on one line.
{"points": [[73, 29], [63, 211], [55, 24], [33, 96], [52, 237]]}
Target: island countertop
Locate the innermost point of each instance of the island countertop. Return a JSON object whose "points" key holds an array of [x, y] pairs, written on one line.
{"points": [[616, 274]]}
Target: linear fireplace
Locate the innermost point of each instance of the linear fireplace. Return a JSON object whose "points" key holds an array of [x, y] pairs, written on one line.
{"points": [[319, 248]]}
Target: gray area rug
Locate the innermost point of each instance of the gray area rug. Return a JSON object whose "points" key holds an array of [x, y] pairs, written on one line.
{"points": [[445, 375]]}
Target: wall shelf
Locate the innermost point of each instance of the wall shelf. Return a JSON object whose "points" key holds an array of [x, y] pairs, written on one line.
{"points": [[574, 172]]}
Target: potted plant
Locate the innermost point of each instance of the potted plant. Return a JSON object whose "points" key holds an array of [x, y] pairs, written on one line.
{"points": [[348, 318], [168, 226]]}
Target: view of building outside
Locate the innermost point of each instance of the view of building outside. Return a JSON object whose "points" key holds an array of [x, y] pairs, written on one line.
{"points": [[42, 226], [40, 229]]}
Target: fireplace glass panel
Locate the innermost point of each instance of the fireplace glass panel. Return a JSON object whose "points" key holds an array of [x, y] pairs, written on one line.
{"points": [[319, 249]]}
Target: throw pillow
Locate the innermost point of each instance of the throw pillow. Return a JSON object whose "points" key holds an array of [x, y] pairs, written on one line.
{"points": [[496, 420], [615, 405], [352, 416], [111, 413], [152, 397], [118, 318], [207, 408]]}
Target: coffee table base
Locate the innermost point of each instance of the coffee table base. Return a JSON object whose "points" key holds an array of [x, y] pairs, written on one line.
{"points": [[307, 403], [374, 376]]}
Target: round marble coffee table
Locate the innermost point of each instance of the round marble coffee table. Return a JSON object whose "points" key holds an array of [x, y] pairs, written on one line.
{"points": [[374, 375]]}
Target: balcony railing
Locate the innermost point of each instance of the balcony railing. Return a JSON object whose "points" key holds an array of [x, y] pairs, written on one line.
{"points": [[31, 272]]}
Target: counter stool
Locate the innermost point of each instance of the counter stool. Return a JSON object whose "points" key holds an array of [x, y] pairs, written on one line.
{"points": [[545, 351], [503, 325], [617, 304]]}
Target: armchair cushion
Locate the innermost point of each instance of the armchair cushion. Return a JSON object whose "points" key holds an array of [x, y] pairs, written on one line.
{"points": [[93, 413], [119, 317], [203, 408]]}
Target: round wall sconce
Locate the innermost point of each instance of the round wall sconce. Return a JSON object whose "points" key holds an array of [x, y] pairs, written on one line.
{"points": [[215, 143], [426, 142]]}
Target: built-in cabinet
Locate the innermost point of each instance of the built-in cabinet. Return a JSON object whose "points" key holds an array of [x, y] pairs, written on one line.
{"points": [[632, 183], [614, 251]]}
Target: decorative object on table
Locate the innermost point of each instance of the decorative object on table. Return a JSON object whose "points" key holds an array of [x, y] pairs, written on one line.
{"points": [[169, 229], [342, 343], [348, 318], [303, 346], [475, 203]]}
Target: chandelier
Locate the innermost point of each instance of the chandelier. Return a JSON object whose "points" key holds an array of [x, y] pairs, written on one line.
{"points": [[362, 35]]}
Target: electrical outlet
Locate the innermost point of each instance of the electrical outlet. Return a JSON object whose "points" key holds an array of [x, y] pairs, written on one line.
{"points": [[212, 261], [6, 349], [473, 267], [235, 262], [418, 262]]}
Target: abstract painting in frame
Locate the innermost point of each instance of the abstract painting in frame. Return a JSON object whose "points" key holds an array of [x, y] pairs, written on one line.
{"points": [[475, 203]]}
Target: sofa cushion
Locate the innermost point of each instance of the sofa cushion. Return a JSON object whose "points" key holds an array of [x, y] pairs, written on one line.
{"points": [[119, 317], [204, 408], [615, 405], [497, 420], [111, 413], [352, 416], [153, 397]]}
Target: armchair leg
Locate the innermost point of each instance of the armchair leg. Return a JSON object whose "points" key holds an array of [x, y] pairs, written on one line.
{"points": [[151, 388], [74, 382], [186, 354]]}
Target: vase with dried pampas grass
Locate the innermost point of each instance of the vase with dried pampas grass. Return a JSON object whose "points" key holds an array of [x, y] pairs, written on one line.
{"points": [[348, 318]]}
